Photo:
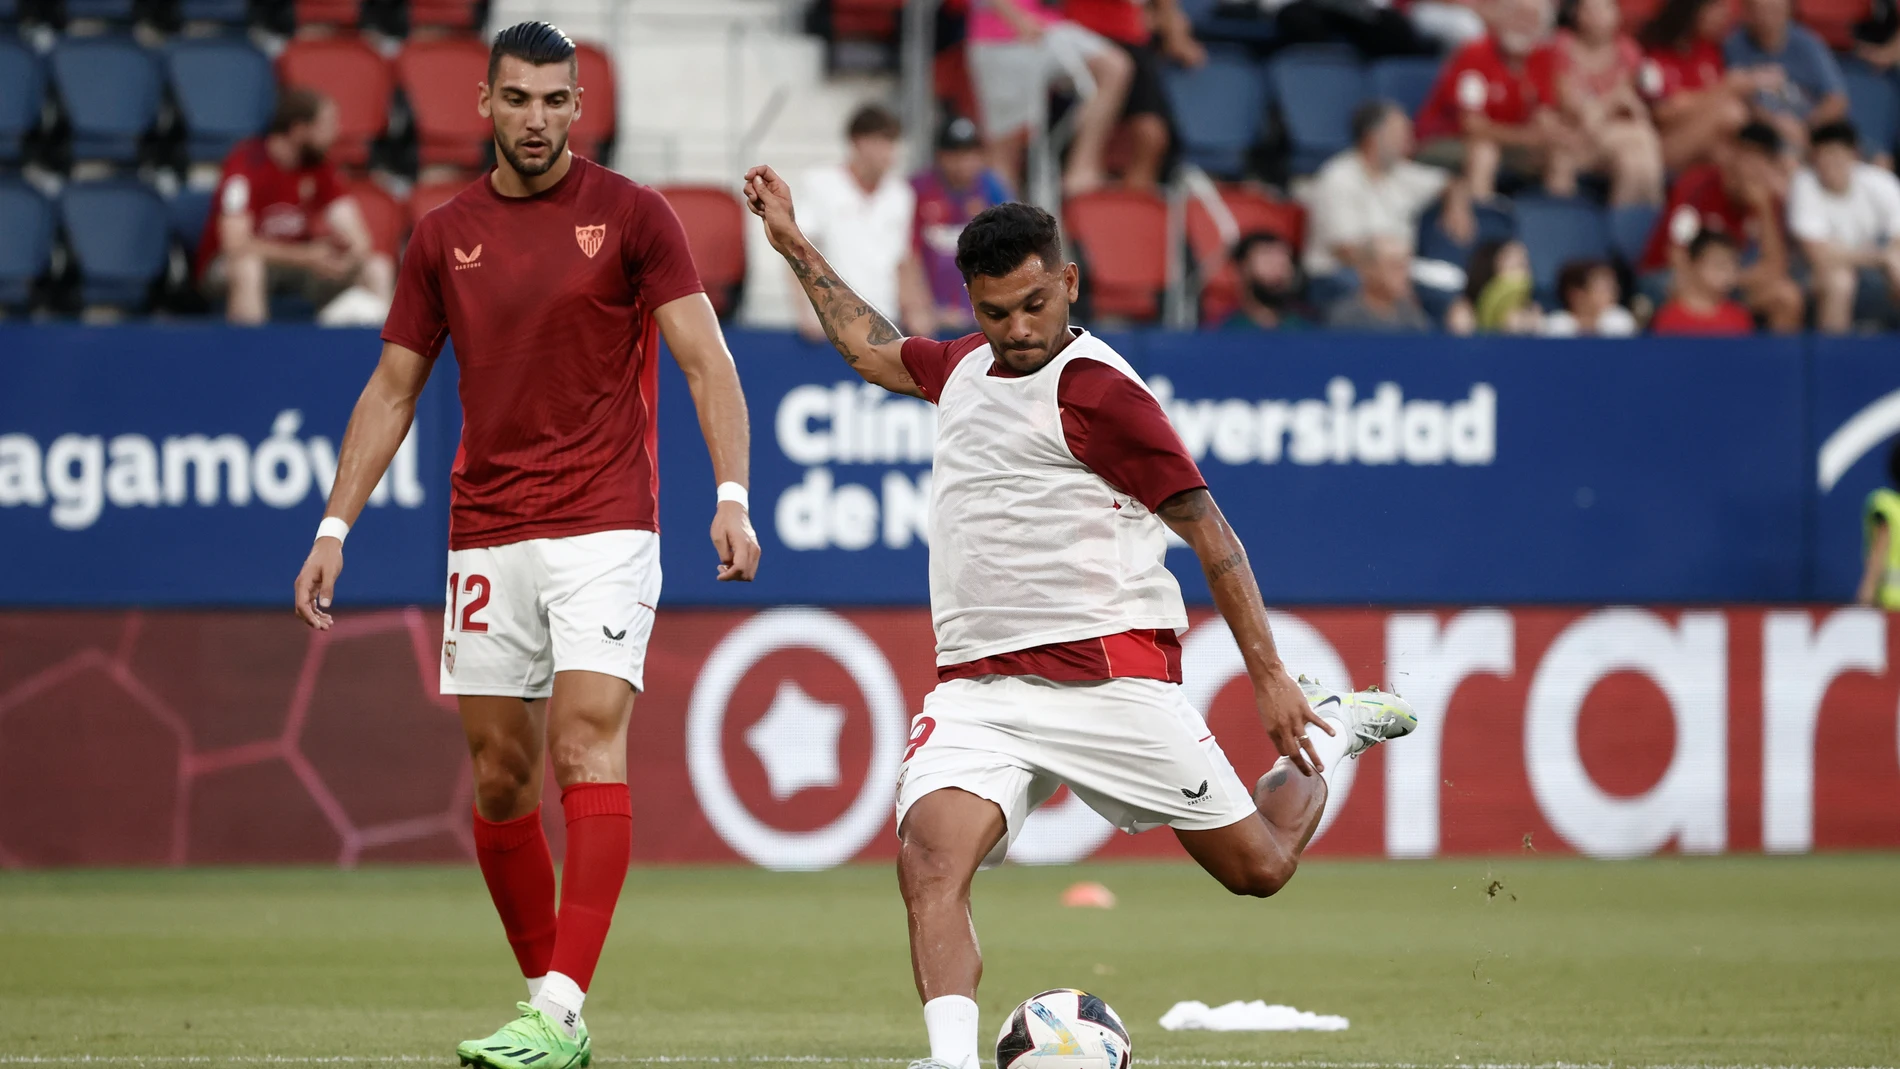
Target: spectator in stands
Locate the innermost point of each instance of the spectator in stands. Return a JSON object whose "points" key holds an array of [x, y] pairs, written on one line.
{"points": [[1269, 286], [1810, 90], [948, 195], [1016, 48], [1148, 33], [1591, 301], [1385, 302], [1877, 37], [1374, 188], [1739, 196], [282, 223], [859, 215], [1703, 301], [1846, 215], [1697, 107], [1587, 72], [1499, 288], [1484, 113]]}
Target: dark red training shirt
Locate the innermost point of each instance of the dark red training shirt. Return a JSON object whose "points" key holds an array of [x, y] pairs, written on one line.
{"points": [[550, 301], [1118, 430]]}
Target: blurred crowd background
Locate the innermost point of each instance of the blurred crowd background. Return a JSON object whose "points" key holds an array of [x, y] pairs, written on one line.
{"points": [[1550, 167]]}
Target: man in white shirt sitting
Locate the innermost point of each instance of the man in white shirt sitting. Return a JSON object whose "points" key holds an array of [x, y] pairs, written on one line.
{"points": [[1846, 215], [858, 214], [1374, 190]]}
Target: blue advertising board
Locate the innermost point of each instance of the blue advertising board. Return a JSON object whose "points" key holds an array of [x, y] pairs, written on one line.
{"points": [[187, 466]]}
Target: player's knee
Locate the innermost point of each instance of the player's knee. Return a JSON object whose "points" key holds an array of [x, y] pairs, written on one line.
{"points": [[1259, 877], [504, 776]]}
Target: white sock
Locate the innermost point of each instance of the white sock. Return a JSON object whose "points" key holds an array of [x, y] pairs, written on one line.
{"points": [[534, 986], [560, 998], [1331, 748], [951, 1022]]}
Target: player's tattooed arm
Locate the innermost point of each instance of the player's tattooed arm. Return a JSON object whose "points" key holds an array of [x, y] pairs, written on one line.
{"points": [[865, 337], [1194, 516]]}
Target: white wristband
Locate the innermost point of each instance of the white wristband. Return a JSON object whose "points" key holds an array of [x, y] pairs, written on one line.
{"points": [[333, 527], [735, 492]]}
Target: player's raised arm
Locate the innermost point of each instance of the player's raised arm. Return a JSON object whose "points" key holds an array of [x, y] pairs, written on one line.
{"points": [[1193, 515], [863, 335], [377, 426], [693, 336]]}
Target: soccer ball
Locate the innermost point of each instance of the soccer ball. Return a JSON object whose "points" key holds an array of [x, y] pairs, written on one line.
{"points": [[1063, 1029]]}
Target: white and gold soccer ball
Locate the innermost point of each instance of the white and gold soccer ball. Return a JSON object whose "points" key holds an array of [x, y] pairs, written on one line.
{"points": [[1063, 1029]]}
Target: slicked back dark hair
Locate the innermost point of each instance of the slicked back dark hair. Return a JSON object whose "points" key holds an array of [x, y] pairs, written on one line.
{"points": [[999, 239], [536, 43]]}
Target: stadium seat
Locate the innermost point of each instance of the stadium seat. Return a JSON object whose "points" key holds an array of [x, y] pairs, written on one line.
{"points": [[865, 20], [22, 88], [1218, 108], [26, 242], [1253, 211], [110, 88], [385, 216], [226, 12], [120, 238], [351, 73], [714, 221], [1405, 79], [1873, 103], [442, 14], [1833, 19], [1318, 87], [1494, 224], [1630, 227], [341, 14], [1557, 231], [225, 92], [1123, 236], [189, 210], [427, 196], [104, 10], [439, 77], [600, 103]]}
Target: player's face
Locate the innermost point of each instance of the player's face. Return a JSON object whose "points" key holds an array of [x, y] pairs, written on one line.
{"points": [[1024, 313], [532, 107]]}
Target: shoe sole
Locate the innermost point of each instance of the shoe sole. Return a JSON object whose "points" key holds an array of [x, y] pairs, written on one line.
{"points": [[586, 1059]]}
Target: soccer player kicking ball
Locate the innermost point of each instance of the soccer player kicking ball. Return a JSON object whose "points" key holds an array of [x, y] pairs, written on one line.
{"points": [[1056, 616], [554, 277]]}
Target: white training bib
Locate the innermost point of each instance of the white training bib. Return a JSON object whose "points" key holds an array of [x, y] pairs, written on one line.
{"points": [[1027, 545]]}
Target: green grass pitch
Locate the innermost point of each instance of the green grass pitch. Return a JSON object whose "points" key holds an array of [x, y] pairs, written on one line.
{"points": [[1704, 962]]}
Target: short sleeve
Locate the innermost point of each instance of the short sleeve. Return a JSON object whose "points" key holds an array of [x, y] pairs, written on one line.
{"points": [[930, 361], [416, 319], [1820, 62], [1117, 428], [658, 261]]}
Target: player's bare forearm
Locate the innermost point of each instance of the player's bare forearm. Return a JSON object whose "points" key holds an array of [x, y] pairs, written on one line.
{"points": [[1876, 565], [1194, 516], [691, 328], [378, 424]]}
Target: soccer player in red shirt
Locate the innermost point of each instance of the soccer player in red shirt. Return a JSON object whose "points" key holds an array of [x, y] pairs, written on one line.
{"points": [[1055, 481], [555, 278]]}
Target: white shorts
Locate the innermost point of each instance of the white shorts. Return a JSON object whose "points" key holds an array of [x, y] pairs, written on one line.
{"points": [[1012, 78], [1134, 750], [519, 613]]}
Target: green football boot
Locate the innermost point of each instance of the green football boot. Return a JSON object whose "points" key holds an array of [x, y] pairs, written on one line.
{"points": [[530, 1041]]}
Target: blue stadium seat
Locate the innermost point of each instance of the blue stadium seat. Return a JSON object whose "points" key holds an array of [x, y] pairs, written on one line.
{"points": [[9, 10], [225, 91], [120, 238], [1405, 79], [26, 241], [1318, 87], [1218, 108], [228, 12], [1873, 103], [1494, 224], [1630, 227], [22, 87], [109, 10], [189, 210], [1557, 231], [110, 87]]}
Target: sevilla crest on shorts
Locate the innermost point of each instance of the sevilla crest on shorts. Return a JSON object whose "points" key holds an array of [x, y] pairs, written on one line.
{"points": [[590, 238], [448, 655]]}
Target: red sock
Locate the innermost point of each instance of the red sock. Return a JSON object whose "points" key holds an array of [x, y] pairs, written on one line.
{"points": [[519, 869], [599, 845]]}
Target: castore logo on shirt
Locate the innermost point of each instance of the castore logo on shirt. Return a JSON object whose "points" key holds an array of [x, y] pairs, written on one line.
{"points": [[466, 260]]}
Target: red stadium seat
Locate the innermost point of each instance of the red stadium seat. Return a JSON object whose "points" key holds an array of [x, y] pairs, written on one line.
{"points": [[865, 20], [441, 14], [351, 73], [388, 220], [341, 14], [439, 77], [714, 221], [1833, 19], [600, 105], [428, 196], [1252, 210], [1123, 235]]}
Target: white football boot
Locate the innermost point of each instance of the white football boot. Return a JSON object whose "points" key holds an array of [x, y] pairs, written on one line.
{"points": [[1371, 716], [933, 1063]]}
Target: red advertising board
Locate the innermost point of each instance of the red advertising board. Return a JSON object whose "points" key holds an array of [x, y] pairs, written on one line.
{"points": [[774, 737]]}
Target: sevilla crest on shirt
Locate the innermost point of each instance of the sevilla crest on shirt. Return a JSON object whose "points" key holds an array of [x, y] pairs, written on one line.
{"points": [[590, 238]]}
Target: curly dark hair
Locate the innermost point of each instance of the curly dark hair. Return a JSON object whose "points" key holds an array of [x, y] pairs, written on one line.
{"points": [[999, 239]]}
